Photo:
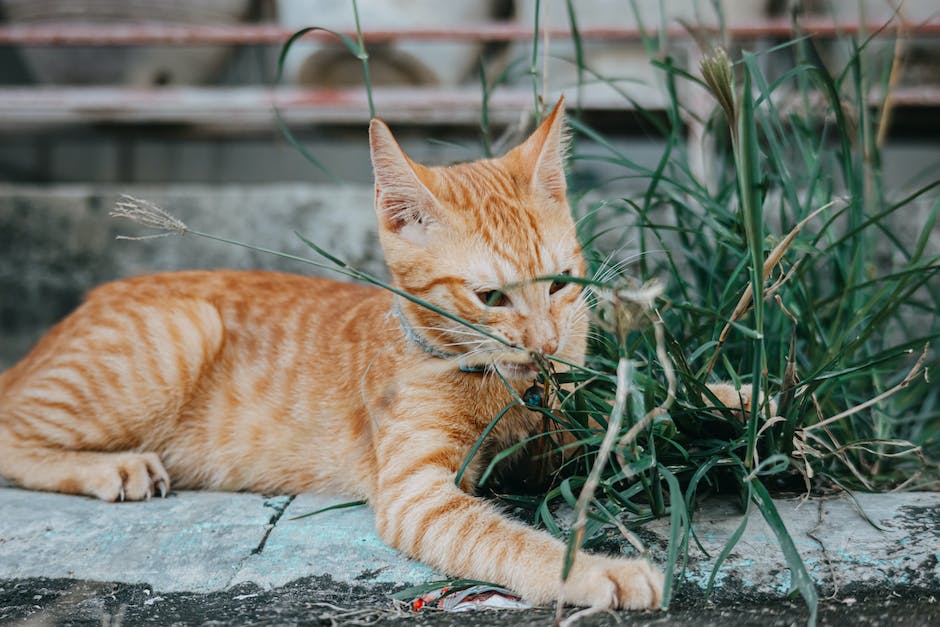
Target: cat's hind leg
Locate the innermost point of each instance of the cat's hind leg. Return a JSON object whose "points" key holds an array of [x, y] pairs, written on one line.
{"points": [[87, 410]]}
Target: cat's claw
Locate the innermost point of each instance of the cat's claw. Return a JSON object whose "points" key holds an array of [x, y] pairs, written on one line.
{"points": [[158, 487], [614, 583], [129, 477]]}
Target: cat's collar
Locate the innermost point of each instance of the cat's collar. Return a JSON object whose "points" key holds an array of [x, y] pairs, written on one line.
{"points": [[412, 335], [533, 397]]}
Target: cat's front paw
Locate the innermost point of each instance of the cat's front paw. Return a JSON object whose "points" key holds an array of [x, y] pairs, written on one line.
{"points": [[736, 399], [614, 583], [126, 477]]}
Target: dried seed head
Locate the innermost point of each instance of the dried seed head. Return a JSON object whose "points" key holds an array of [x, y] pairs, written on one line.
{"points": [[147, 214], [716, 71], [626, 307]]}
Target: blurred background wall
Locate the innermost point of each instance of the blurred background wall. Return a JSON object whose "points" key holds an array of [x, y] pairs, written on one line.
{"points": [[172, 101]]}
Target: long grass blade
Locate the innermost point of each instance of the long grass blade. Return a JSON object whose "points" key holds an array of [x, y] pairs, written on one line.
{"points": [[799, 576]]}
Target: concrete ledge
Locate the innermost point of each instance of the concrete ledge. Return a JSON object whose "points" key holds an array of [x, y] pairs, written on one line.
{"points": [[189, 542], [204, 541], [841, 549], [341, 543]]}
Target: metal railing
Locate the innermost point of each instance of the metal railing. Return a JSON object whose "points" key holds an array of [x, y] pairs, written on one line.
{"points": [[251, 106]]}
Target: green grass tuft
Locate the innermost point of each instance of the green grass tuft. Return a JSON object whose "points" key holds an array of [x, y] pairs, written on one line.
{"points": [[794, 210]]}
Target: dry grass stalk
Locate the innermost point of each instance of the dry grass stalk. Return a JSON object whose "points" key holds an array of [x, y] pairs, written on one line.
{"points": [[773, 259], [659, 410], [620, 311], [147, 214], [894, 77], [808, 443], [914, 373]]}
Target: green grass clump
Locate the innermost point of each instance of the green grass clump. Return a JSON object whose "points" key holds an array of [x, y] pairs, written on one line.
{"points": [[843, 332], [796, 213]]}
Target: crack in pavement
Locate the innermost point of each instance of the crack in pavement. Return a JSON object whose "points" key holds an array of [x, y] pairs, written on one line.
{"points": [[279, 510], [827, 560], [279, 505]]}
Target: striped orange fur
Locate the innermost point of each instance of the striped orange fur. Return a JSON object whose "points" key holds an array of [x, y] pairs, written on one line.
{"points": [[278, 383]]}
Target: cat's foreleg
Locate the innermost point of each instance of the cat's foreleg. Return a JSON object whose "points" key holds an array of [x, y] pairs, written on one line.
{"points": [[420, 511]]}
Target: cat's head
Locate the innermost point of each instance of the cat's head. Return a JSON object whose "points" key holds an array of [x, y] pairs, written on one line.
{"points": [[477, 240]]}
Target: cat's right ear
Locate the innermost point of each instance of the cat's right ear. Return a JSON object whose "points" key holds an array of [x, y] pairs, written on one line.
{"points": [[403, 203]]}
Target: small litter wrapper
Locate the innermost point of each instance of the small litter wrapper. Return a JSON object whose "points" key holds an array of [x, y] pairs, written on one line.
{"points": [[480, 597]]}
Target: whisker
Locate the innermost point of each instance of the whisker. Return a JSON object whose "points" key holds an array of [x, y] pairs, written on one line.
{"points": [[609, 270], [606, 271], [606, 263], [451, 331], [577, 319], [607, 266]]}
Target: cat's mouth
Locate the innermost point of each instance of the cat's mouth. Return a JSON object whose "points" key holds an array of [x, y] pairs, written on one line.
{"points": [[519, 365], [517, 370], [510, 370]]}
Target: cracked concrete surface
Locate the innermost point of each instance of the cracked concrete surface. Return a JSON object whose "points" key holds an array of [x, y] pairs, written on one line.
{"points": [[191, 541], [205, 541], [870, 540], [341, 543], [194, 541]]}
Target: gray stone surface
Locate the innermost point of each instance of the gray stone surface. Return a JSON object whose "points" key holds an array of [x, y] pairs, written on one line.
{"points": [[873, 540], [191, 541], [341, 543], [196, 541], [204, 541]]}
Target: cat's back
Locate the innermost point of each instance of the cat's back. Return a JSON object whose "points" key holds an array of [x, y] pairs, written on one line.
{"points": [[227, 288], [236, 296], [202, 312]]}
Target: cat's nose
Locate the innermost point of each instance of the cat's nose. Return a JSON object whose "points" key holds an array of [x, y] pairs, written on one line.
{"points": [[542, 340], [548, 345]]}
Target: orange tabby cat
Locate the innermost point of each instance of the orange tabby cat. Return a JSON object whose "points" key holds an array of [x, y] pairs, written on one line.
{"points": [[278, 383]]}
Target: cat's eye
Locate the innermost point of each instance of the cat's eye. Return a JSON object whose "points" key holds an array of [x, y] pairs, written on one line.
{"points": [[559, 284], [492, 298]]}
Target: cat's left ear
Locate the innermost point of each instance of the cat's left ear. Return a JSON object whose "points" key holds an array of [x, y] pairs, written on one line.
{"points": [[403, 201], [543, 154]]}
